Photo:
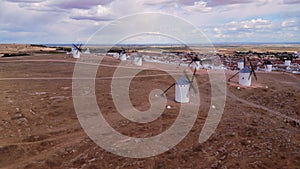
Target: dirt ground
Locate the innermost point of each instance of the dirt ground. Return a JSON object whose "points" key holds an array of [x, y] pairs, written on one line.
{"points": [[39, 127], [21, 48]]}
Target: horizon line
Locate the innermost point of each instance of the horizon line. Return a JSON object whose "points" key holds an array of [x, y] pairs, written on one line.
{"points": [[145, 44]]}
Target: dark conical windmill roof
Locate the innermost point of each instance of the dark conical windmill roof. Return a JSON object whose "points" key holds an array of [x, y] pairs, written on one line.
{"points": [[268, 62], [246, 69], [182, 81]]}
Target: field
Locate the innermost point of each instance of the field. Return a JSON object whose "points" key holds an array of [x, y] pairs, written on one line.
{"points": [[40, 129]]}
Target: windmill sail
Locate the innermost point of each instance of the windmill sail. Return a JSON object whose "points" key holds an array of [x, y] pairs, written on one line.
{"points": [[76, 51]]}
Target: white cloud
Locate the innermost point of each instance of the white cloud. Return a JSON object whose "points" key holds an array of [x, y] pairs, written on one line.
{"points": [[158, 2], [217, 30], [247, 25], [241, 30], [289, 23], [228, 2], [43, 6], [98, 13], [199, 6], [230, 20], [79, 4]]}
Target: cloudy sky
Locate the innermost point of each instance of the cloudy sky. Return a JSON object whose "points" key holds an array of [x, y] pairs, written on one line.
{"points": [[71, 21]]}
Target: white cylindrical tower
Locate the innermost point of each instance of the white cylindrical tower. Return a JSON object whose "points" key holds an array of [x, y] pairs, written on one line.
{"points": [[287, 62], [241, 64], [87, 51], [138, 60], [244, 79], [123, 57], [268, 68], [76, 54], [182, 90], [116, 55], [197, 65]]}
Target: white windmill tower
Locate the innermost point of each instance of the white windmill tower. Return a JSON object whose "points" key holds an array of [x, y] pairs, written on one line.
{"points": [[116, 55], [122, 55], [268, 66], [87, 51], [245, 75], [182, 88], [76, 50], [287, 63], [138, 59], [241, 64], [196, 63]]}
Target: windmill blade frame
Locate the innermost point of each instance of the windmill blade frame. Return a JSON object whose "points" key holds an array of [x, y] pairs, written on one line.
{"points": [[168, 89], [233, 76], [253, 70], [186, 75], [191, 80], [194, 60], [194, 74], [255, 75], [250, 75], [78, 47], [193, 87]]}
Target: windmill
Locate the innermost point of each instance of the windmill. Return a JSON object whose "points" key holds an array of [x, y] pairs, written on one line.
{"points": [[245, 74], [268, 65], [196, 63], [287, 63], [116, 55], [138, 59], [122, 55], [241, 63], [76, 50], [87, 51], [182, 88]]}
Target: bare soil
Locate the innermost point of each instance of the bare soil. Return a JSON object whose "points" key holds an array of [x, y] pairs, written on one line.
{"points": [[39, 127], [22, 49]]}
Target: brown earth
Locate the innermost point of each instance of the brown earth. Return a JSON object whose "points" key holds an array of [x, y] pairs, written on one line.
{"points": [[22, 49], [260, 48], [39, 127]]}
